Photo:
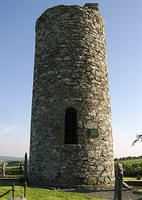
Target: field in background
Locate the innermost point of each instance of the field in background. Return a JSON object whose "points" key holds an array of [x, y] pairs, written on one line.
{"points": [[132, 166], [13, 169]]}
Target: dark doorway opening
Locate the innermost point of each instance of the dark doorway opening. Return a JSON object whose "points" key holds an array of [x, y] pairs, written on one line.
{"points": [[71, 126]]}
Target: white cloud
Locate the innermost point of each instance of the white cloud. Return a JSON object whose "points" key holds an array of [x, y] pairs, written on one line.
{"points": [[123, 140], [16, 148], [6, 129]]}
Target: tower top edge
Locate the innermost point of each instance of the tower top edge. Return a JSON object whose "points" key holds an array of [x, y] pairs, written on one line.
{"points": [[94, 6], [56, 9]]}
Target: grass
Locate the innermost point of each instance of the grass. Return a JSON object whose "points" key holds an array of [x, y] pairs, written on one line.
{"points": [[42, 194], [12, 167], [12, 176], [131, 179]]}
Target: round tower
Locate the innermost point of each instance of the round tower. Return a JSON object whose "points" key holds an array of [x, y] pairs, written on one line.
{"points": [[71, 132]]}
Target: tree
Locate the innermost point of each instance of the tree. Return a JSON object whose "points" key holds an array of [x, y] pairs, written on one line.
{"points": [[138, 138]]}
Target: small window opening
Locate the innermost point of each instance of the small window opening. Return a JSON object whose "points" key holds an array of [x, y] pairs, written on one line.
{"points": [[71, 126]]}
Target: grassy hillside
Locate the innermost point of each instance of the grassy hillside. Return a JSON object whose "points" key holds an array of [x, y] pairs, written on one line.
{"points": [[130, 161], [8, 158], [132, 167]]}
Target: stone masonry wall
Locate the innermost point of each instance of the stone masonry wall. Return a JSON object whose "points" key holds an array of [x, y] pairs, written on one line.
{"points": [[71, 71]]}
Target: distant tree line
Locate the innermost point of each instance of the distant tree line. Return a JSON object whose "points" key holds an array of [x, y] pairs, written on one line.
{"points": [[128, 158]]}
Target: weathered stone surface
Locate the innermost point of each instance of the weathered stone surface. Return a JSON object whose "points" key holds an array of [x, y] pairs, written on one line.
{"points": [[92, 5], [71, 71]]}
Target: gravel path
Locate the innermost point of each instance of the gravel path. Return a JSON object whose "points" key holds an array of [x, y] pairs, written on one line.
{"points": [[108, 194], [126, 195]]}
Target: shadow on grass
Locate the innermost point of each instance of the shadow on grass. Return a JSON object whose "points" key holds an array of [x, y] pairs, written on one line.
{"points": [[85, 190], [11, 182]]}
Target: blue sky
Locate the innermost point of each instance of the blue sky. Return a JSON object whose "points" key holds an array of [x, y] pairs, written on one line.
{"points": [[124, 51]]}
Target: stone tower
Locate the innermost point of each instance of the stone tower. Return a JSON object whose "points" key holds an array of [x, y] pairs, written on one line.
{"points": [[71, 132]]}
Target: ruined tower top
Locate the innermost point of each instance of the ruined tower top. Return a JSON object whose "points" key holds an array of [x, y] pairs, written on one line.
{"points": [[59, 10], [94, 6]]}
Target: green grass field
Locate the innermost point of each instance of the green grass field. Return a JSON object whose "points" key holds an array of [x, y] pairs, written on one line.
{"points": [[44, 194], [40, 194]]}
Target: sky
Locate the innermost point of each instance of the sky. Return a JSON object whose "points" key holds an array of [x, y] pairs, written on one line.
{"points": [[124, 52]]}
